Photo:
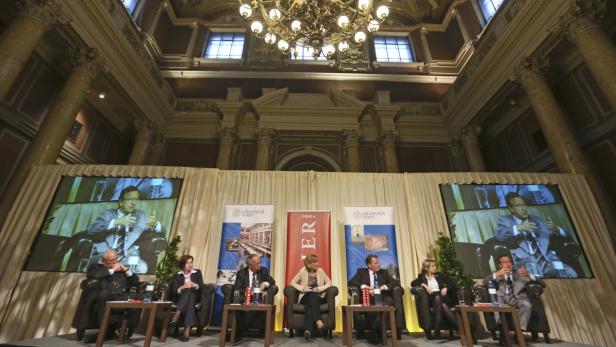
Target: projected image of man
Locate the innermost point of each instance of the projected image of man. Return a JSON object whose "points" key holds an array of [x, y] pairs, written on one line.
{"points": [[119, 229], [530, 239]]}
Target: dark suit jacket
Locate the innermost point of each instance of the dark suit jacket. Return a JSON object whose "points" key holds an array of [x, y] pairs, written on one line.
{"points": [[178, 281], [363, 277], [242, 281], [116, 283]]}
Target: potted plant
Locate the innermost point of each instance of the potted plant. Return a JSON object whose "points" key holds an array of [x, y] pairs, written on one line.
{"points": [[168, 266], [447, 263]]}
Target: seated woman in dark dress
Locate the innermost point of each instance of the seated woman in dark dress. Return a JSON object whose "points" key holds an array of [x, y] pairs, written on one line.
{"points": [[186, 289], [311, 281], [438, 286]]}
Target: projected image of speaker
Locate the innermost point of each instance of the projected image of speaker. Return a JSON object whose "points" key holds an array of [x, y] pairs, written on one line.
{"points": [[89, 215], [529, 222]]}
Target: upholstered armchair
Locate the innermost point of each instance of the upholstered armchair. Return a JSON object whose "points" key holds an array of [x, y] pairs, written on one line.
{"points": [[295, 312], [538, 320]]}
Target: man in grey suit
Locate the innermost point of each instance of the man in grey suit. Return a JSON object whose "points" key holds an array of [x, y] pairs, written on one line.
{"points": [[119, 229], [530, 236], [511, 288]]}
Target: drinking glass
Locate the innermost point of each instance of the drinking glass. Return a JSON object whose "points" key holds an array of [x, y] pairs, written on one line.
{"points": [[461, 292]]}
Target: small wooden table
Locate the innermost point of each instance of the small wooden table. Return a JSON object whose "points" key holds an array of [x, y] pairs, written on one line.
{"points": [[347, 322], [152, 307], [465, 328], [270, 316]]}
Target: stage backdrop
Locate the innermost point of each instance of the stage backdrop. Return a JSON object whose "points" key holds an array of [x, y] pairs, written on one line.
{"points": [[308, 232], [34, 304], [246, 230], [370, 230]]}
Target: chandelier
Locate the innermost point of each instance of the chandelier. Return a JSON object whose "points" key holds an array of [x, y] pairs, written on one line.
{"points": [[323, 25]]}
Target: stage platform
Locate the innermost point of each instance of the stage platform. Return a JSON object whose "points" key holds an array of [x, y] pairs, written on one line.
{"points": [[210, 339]]}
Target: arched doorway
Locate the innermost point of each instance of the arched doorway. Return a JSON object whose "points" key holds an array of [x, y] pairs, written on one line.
{"points": [[308, 159]]}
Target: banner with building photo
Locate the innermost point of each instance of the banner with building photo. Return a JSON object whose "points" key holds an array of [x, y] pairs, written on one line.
{"points": [[308, 232], [246, 229], [370, 230]]}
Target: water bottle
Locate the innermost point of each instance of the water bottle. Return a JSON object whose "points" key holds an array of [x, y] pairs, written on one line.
{"points": [[256, 292], [377, 293], [133, 258], [236, 297], [492, 292], [149, 289]]}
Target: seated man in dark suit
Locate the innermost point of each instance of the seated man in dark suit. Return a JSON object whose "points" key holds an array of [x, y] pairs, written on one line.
{"points": [[115, 281], [366, 278], [253, 276]]}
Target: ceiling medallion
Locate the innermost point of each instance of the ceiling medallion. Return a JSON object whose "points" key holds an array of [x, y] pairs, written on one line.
{"points": [[323, 25]]}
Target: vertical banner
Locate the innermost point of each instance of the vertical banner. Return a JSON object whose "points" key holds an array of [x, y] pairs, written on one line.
{"points": [[246, 229], [308, 232], [370, 230]]}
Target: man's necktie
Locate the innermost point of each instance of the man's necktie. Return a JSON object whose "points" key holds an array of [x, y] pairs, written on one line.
{"points": [[119, 246], [254, 279], [534, 245], [375, 281], [509, 284]]}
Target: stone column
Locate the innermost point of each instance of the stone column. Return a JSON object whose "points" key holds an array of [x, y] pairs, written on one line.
{"points": [[470, 141], [20, 37], [155, 152], [351, 144], [458, 158], [581, 25], [226, 142], [560, 138], [390, 157], [46, 146], [143, 138], [264, 143]]}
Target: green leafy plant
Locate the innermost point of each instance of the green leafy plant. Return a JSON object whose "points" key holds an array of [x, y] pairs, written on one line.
{"points": [[166, 269], [447, 263]]}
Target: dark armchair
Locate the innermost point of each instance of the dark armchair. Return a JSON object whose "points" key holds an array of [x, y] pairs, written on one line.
{"points": [[397, 293], [538, 320], [85, 315], [295, 312], [203, 306], [424, 312]]}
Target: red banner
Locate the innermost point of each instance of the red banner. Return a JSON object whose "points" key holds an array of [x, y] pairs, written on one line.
{"points": [[308, 232]]}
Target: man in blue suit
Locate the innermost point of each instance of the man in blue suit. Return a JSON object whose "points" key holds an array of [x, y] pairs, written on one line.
{"points": [[530, 239], [120, 228]]}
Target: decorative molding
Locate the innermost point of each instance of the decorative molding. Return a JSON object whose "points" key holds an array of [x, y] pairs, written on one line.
{"points": [[582, 15], [326, 76]]}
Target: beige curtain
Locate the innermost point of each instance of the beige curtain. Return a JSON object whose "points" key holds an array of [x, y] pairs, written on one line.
{"points": [[41, 304]]}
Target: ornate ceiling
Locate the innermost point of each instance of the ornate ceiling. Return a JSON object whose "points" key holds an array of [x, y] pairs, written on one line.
{"points": [[406, 12]]}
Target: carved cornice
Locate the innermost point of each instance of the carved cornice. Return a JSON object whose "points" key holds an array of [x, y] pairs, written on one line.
{"points": [[582, 15], [202, 105], [45, 11]]}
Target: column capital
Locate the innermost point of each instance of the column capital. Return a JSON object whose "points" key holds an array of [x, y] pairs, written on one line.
{"points": [[227, 135], [87, 59], [265, 135], [472, 131], [582, 15], [142, 124], [351, 137], [388, 139], [530, 69], [455, 147], [45, 11]]}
